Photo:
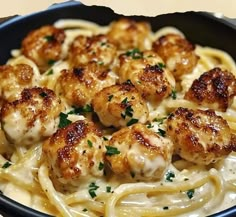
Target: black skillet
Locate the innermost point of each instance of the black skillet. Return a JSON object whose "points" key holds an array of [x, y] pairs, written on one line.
{"points": [[199, 27]]}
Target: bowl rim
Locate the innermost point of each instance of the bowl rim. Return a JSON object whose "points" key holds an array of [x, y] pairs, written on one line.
{"points": [[10, 207]]}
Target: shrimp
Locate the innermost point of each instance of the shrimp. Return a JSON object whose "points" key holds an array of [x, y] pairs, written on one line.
{"points": [[200, 136], [140, 154], [177, 53]]}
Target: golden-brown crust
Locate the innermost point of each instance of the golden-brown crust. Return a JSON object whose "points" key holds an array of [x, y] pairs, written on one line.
{"points": [[200, 136], [147, 72], [33, 116], [79, 85], [177, 53], [214, 89], [98, 48], [14, 79], [128, 34], [75, 151], [144, 155], [43, 45], [118, 104]]}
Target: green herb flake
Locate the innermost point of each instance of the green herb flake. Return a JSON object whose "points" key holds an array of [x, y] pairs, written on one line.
{"points": [[173, 94], [43, 94], [101, 166], [161, 132], [149, 126], [49, 38], [111, 150], [186, 179], [63, 120], [125, 101], [103, 43], [90, 144], [132, 121], [190, 193], [161, 65], [132, 174], [50, 72], [165, 208], [169, 176], [84, 210], [110, 98], [79, 110], [6, 165], [105, 138], [159, 120], [108, 189], [92, 188], [134, 54], [51, 62], [100, 63]]}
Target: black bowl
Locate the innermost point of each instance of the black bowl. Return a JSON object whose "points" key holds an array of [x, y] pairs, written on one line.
{"points": [[199, 27]]}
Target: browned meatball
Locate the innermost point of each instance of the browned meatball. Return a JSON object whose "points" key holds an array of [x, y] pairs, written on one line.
{"points": [[200, 136], [147, 72], [140, 153], [75, 151], [14, 79], [32, 118], [44, 46], [120, 105], [128, 34], [97, 48], [214, 89], [177, 53], [79, 85]]}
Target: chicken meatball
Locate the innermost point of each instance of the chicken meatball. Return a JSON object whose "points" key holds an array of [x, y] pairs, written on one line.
{"points": [[31, 118], [75, 152], [147, 72], [140, 153], [97, 48], [129, 34], [200, 136], [44, 46], [14, 79], [214, 89], [79, 85], [120, 105], [177, 53]]}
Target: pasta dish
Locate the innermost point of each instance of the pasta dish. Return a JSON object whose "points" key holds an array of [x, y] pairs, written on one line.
{"points": [[118, 120]]}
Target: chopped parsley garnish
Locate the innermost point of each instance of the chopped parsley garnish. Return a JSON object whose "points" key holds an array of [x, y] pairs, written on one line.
{"points": [[190, 193], [100, 63], [132, 174], [161, 65], [108, 189], [161, 132], [186, 179], [150, 125], [51, 62], [132, 121], [92, 188], [43, 94], [110, 98], [159, 120], [105, 138], [63, 120], [165, 207], [112, 151], [173, 94], [49, 38], [169, 176], [50, 72], [125, 101], [78, 110], [84, 210], [90, 144], [128, 112], [6, 165], [103, 43], [101, 166], [135, 53]]}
